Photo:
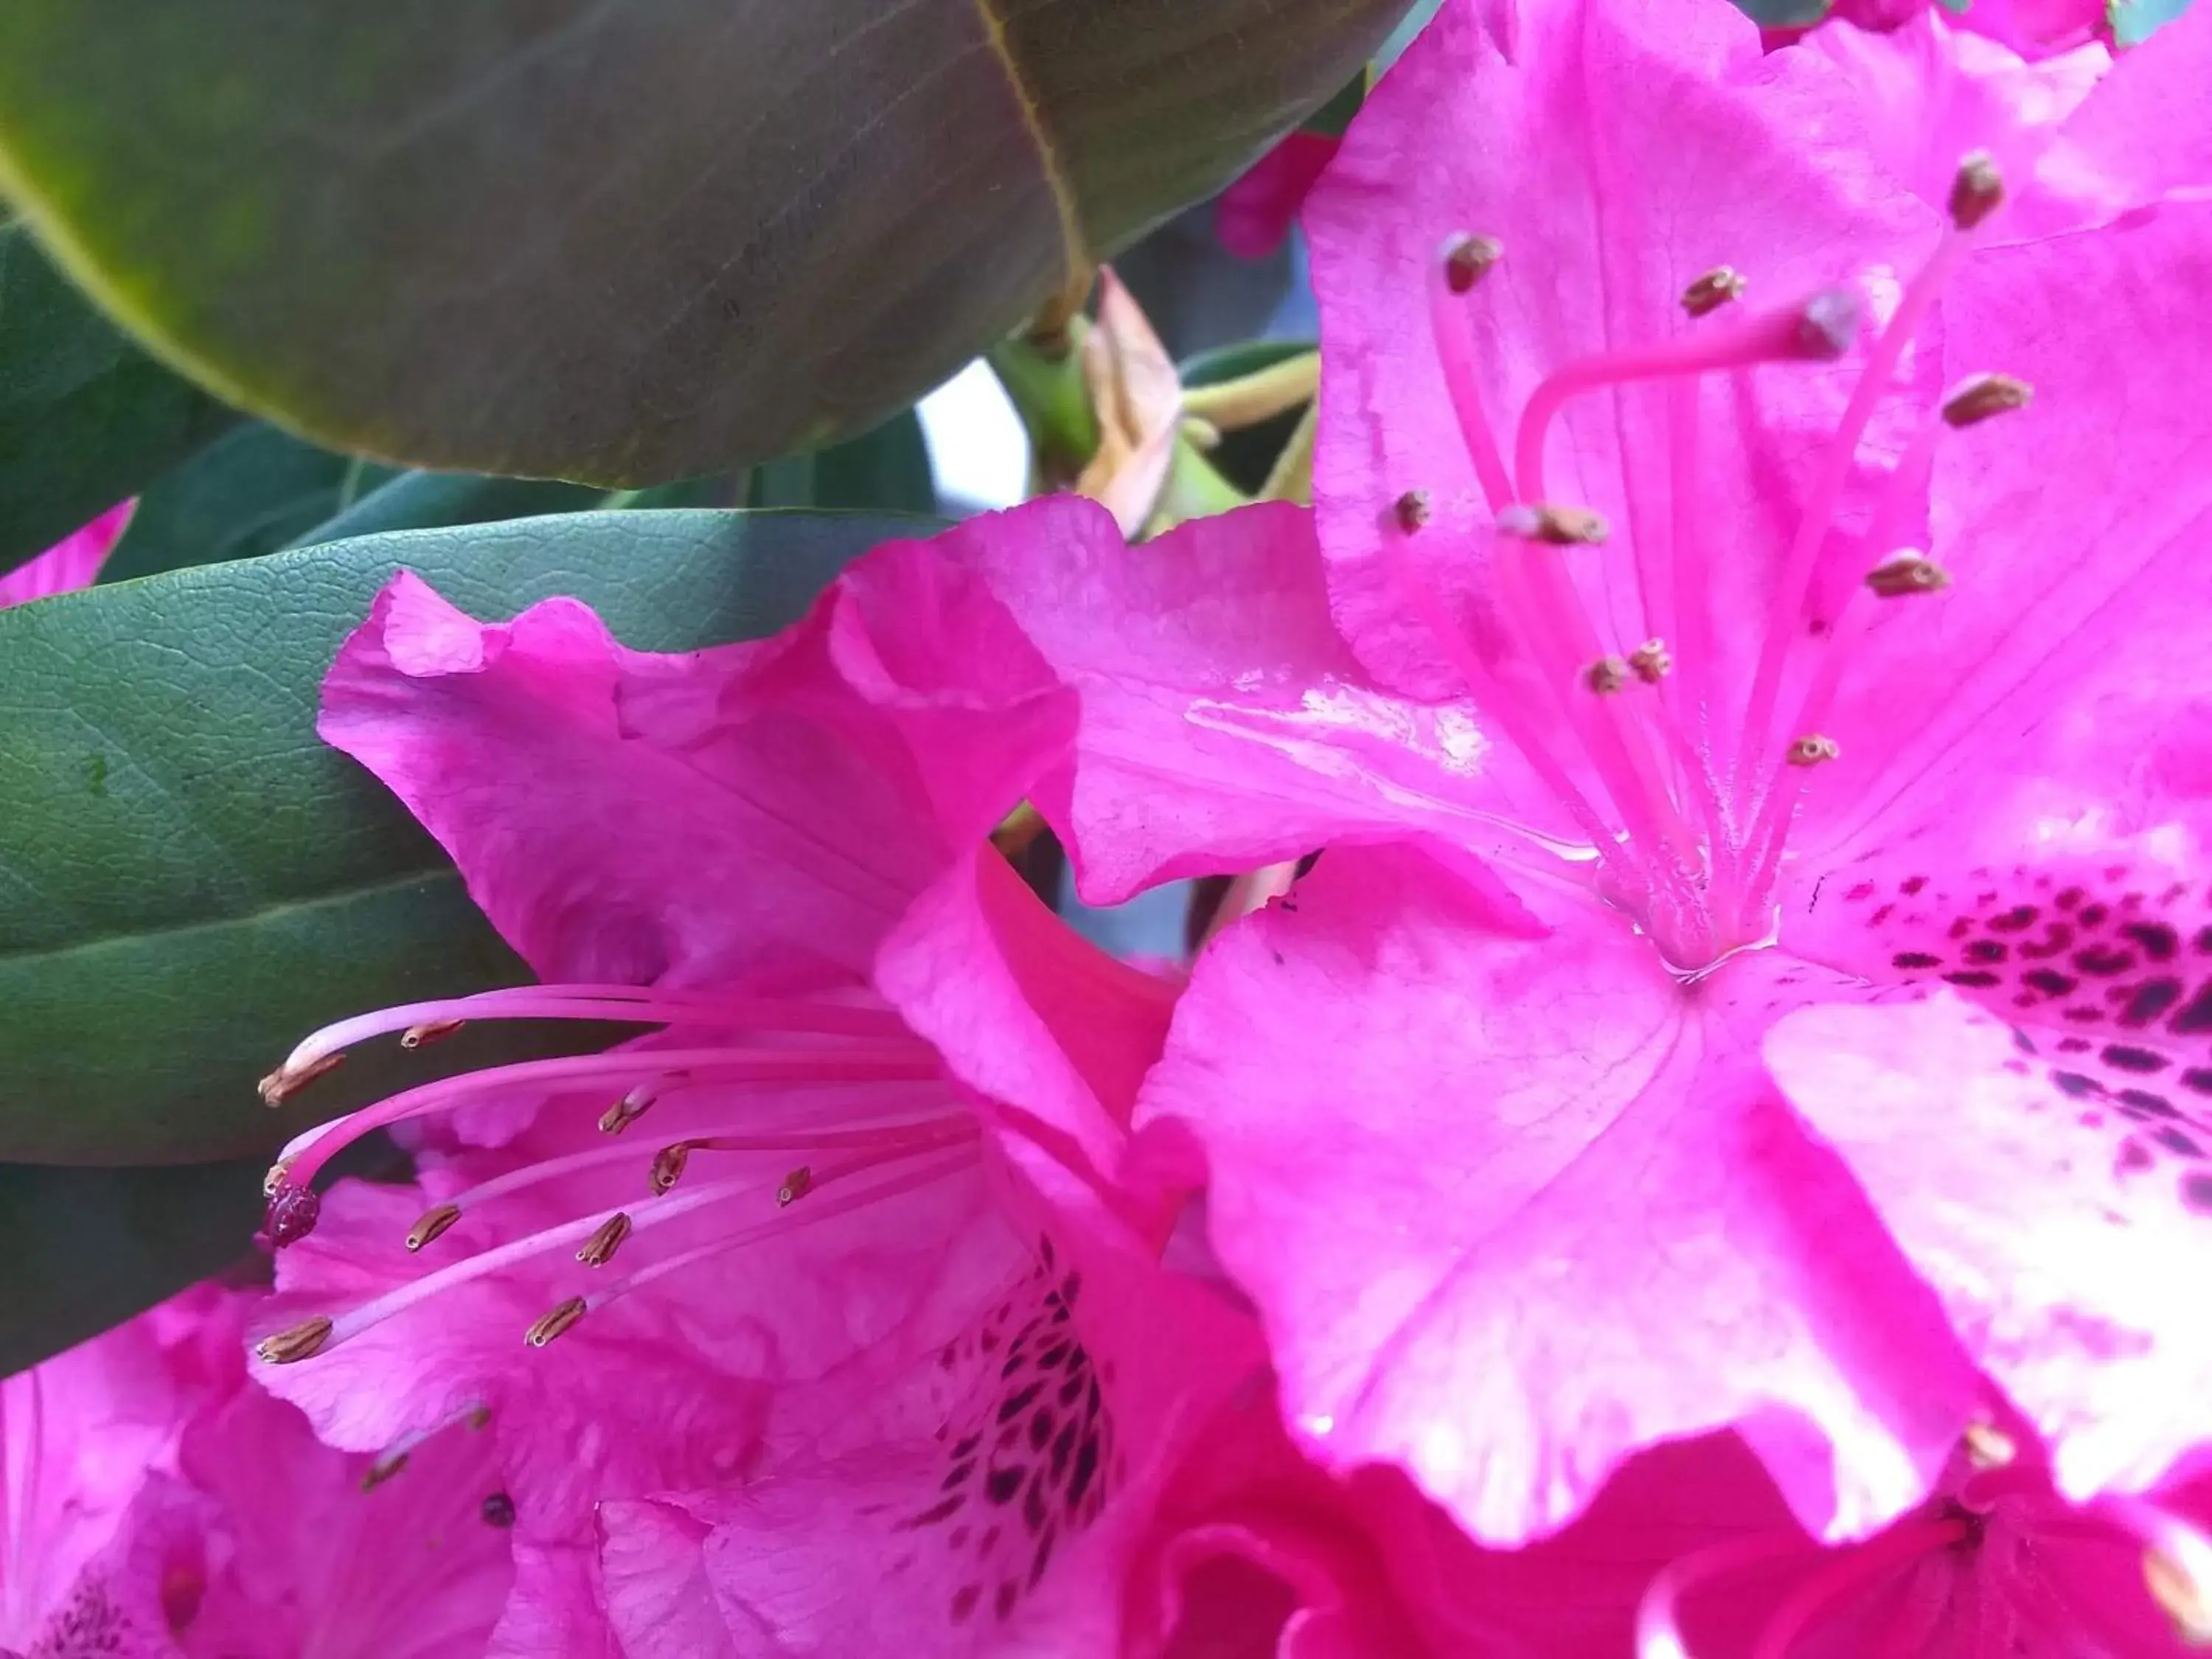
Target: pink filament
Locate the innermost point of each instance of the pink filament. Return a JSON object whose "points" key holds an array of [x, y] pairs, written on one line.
{"points": [[893, 1062], [1448, 322]]}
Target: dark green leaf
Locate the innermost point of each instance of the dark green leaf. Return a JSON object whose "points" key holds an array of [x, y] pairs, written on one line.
{"points": [[86, 417], [439, 501], [87, 1248], [886, 471], [189, 881], [251, 491], [1333, 118], [624, 243]]}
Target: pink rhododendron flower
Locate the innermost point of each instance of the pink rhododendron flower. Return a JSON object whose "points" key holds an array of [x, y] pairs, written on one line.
{"points": [[1253, 215], [2034, 28], [70, 563], [1737, 932], [1994, 1561], [159, 1506], [824, 1280]]}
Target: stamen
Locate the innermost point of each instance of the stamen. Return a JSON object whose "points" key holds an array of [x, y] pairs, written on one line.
{"points": [[1977, 189], [599, 1248], [1716, 288], [1468, 259], [418, 1023], [1448, 326], [627, 1110], [1658, 1627], [1411, 510], [553, 1324], [1814, 750], [1652, 661], [1905, 573], [289, 1079], [431, 1030], [278, 1178], [300, 1341], [1822, 327], [1606, 675], [433, 1222], [382, 1470], [1558, 527], [2177, 1564], [796, 1186], [1989, 1447], [1983, 395], [668, 1165], [910, 1060]]}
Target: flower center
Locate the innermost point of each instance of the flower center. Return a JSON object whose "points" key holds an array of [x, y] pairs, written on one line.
{"points": [[824, 1096], [1684, 780]]}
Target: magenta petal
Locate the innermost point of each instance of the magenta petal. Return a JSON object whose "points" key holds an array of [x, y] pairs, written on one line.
{"points": [[1256, 213], [69, 564], [762, 807], [1564, 1215], [2053, 1232]]}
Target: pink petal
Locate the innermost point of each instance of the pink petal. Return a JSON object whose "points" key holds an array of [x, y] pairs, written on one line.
{"points": [[2053, 1248], [2071, 531], [769, 805], [69, 564], [1547, 149], [1565, 1216], [1256, 213], [988, 1497], [2143, 135]]}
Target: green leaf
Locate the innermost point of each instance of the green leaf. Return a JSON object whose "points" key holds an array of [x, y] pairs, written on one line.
{"points": [[622, 243], [250, 492], [439, 501], [86, 417], [189, 881], [886, 471], [1333, 118], [87, 1248]]}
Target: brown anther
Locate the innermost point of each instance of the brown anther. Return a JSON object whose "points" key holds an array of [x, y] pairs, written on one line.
{"points": [[1814, 750], [382, 1470], [301, 1341], [1713, 290], [555, 1322], [599, 1248], [479, 1417], [287, 1080], [2186, 1603], [431, 1223], [626, 1111], [1977, 189], [1828, 326], [668, 1165], [434, 1030], [1652, 661], [1906, 572], [1606, 675], [1411, 510], [278, 1178], [1989, 1447], [796, 1186], [1561, 527], [1983, 396], [1468, 260]]}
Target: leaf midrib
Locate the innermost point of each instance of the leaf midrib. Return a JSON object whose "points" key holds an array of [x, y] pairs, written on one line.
{"points": [[1075, 246]]}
